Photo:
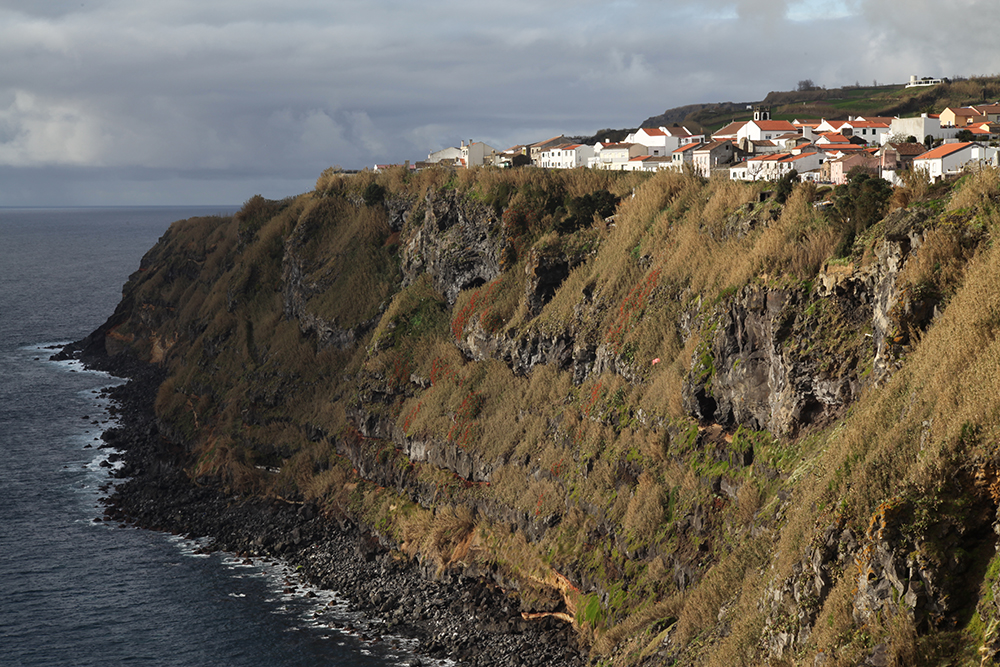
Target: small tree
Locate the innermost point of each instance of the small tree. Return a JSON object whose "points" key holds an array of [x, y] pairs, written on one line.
{"points": [[785, 186], [965, 135], [857, 206], [374, 194], [520, 160], [806, 85]]}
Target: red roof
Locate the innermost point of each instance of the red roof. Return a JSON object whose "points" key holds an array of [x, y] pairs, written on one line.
{"points": [[793, 158], [835, 138], [945, 150], [772, 125]]}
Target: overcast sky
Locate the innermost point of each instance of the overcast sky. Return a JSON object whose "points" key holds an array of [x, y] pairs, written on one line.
{"points": [[195, 102]]}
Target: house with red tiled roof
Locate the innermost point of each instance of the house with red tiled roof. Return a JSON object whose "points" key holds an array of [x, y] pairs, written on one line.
{"points": [[827, 126], [961, 116], [870, 131], [763, 130], [615, 156], [565, 156], [663, 140], [648, 163], [842, 166], [535, 150], [946, 159], [805, 161], [762, 168], [833, 141], [683, 155], [986, 131]]}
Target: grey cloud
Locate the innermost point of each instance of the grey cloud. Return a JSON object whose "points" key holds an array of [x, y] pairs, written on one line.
{"points": [[274, 92]]}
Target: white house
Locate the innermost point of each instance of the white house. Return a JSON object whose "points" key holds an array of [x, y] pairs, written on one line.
{"points": [[566, 156], [763, 130], [772, 167], [758, 168], [729, 132], [615, 156], [947, 158], [708, 157], [476, 153], [449, 154], [663, 140], [682, 156], [920, 127], [805, 162], [924, 81], [647, 163], [871, 131]]}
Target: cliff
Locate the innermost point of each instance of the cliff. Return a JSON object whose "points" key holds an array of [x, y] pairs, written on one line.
{"points": [[701, 422]]}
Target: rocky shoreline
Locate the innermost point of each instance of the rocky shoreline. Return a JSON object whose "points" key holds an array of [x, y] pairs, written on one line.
{"points": [[462, 618]]}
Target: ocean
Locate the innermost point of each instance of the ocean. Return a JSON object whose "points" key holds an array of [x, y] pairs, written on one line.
{"points": [[75, 591]]}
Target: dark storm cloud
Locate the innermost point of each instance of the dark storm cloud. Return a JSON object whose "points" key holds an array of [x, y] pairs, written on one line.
{"points": [[269, 94]]}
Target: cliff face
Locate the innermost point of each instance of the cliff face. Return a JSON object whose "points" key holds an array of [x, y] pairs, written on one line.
{"points": [[685, 427]]}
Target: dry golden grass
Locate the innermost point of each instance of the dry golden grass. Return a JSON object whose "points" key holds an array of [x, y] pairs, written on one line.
{"points": [[835, 622], [734, 577], [645, 511], [748, 501], [443, 536], [630, 636], [916, 186], [978, 190], [330, 489], [939, 264]]}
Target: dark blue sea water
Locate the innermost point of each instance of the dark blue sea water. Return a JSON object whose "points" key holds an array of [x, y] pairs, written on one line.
{"points": [[78, 592]]}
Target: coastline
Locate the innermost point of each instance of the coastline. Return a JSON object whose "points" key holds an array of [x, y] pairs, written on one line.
{"points": [[463, 618]]}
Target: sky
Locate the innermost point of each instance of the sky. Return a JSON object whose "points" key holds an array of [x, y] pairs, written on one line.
{"points": [[134, 102]]}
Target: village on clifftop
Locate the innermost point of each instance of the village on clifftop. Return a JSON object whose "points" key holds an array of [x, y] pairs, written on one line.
{"points": [[819, 150]]}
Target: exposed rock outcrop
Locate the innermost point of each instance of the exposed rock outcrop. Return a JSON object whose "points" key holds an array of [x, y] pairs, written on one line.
{"points": [[456, 244]]}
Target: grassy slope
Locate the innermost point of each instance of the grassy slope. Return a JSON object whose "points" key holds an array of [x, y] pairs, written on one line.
{"points": [[851, 101], [612, 468]]}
